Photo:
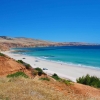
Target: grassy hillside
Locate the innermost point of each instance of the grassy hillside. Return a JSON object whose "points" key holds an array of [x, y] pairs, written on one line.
{"points": [[35, 89], [19, 81]]}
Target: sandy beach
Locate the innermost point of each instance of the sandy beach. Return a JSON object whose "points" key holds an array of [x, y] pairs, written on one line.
{"points": [[63, 70]]}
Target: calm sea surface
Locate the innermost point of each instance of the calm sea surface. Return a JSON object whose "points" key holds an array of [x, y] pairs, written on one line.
{"points": [[83, 56]]}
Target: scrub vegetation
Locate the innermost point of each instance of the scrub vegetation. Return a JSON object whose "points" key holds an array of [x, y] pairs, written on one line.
{"points": [[89, 80]]}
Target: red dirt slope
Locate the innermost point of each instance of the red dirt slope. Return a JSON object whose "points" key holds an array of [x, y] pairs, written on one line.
{"points": [[9, 65]]}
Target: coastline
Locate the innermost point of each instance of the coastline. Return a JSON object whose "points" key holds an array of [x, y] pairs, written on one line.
{"points": [[63, 70]]}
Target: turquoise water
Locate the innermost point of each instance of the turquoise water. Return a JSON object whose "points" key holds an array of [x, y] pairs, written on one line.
{"points": [[88, 56]]}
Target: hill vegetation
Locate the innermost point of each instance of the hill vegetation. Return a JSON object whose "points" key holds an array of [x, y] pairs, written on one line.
{"points": [[28, 66], [1, 54], [17, 82], [17, 74], [89, 80]]}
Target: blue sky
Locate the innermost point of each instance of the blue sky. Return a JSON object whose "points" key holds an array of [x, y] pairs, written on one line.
{"points": [[53, 20]]}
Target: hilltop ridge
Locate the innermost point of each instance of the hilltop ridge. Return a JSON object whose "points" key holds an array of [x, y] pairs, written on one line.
{"points": [[14, 42]]}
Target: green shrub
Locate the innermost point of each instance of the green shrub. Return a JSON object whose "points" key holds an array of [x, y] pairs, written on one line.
{"points": [[67, 82], [17, 74], [56, 77], [89, 80], [28, 66], [40, 71], [20, 61], [1, 54], [47, 79]]}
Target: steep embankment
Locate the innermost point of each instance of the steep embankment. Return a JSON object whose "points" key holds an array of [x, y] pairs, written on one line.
{"points": [[9, 66]]}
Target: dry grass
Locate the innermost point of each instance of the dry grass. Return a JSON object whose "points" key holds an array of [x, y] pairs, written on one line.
{"points": [[33, 89]]}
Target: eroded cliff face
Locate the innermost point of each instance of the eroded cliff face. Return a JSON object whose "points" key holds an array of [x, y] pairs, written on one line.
{"points": [[8, 66]]}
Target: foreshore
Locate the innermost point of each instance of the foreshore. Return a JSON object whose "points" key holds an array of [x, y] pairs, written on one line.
{"points": [[63, 70]]}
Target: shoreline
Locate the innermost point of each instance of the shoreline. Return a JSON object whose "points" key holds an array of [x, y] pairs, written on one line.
{"points": [[63, 70], [12, 50], [68, 64]]}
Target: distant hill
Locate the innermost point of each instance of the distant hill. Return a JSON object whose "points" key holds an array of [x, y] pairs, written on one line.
{"points": [[10, 42]]}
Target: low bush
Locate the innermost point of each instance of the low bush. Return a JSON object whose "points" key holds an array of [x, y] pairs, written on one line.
{"points": [[67, 82], [1, 54], [56, 77], [89, 80], [40, 71], [17, 74], [20, 61], [28, 66], [46, 78]]}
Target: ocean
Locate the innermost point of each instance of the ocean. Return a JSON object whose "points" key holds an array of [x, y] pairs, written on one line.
{"points": [[83, 56]]}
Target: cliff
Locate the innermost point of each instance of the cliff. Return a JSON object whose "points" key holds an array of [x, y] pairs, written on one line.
{"points": [[9, 66]]}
